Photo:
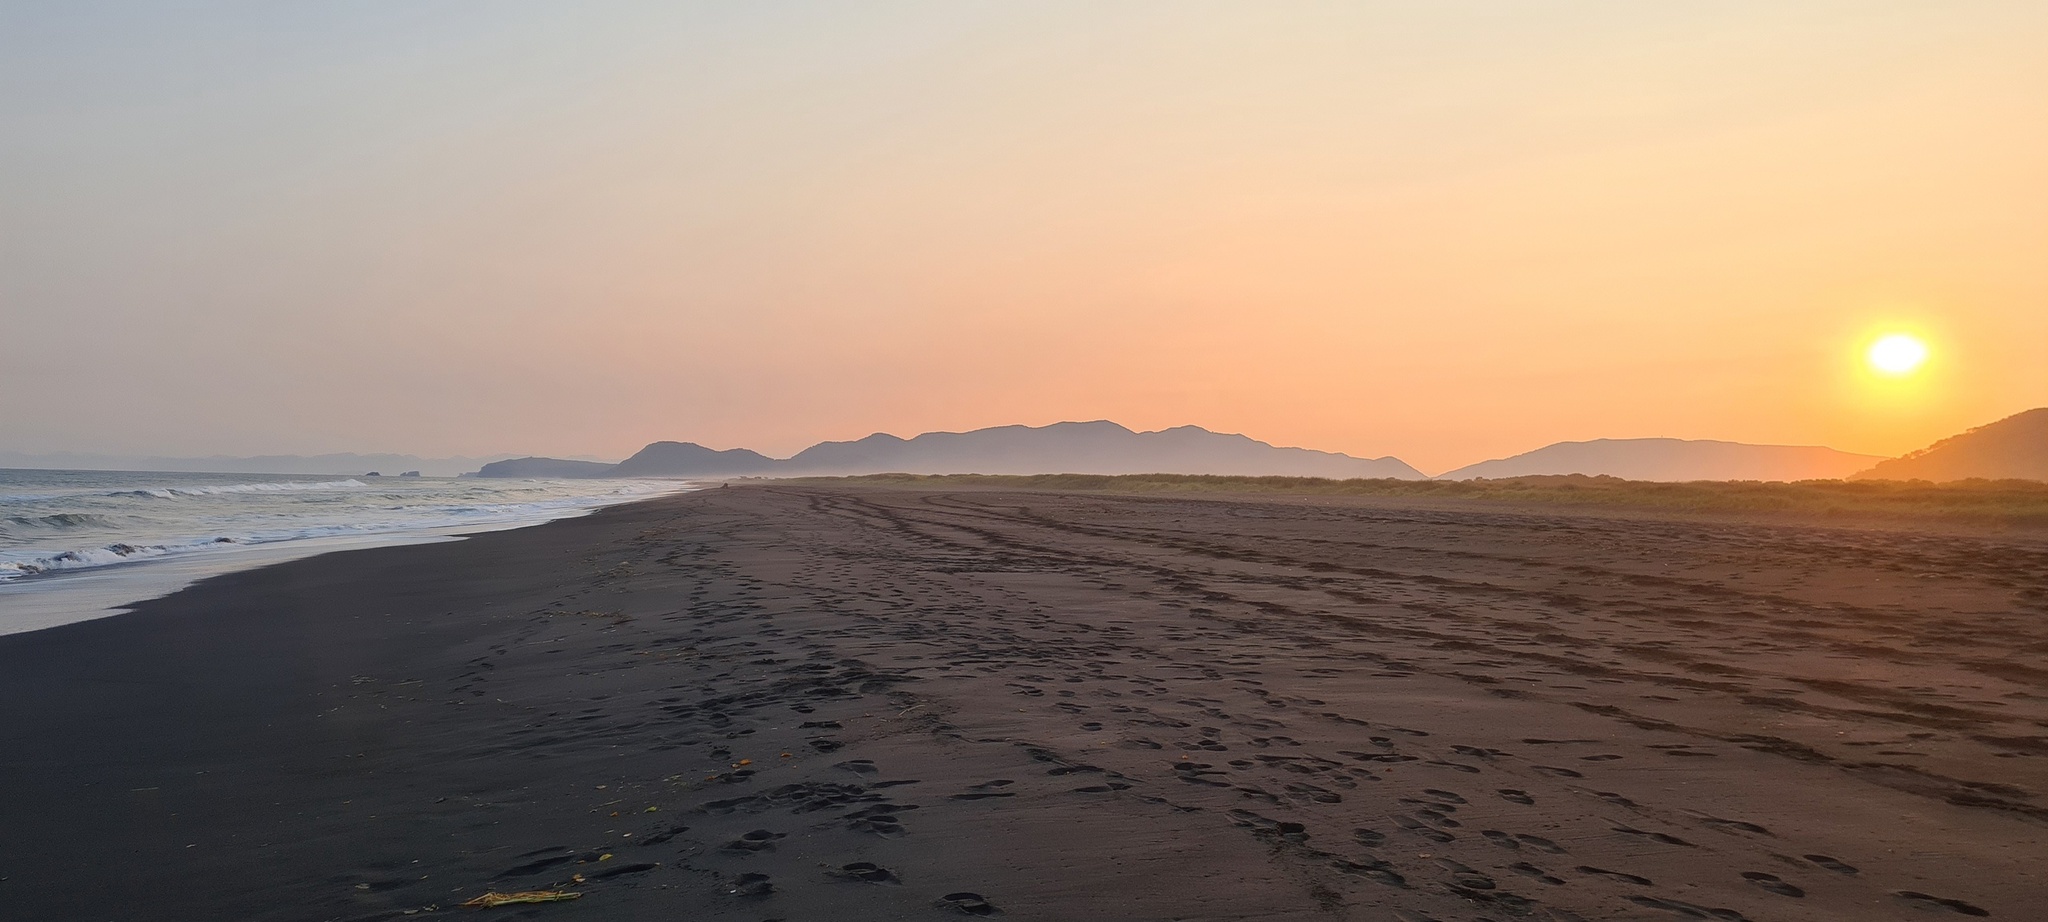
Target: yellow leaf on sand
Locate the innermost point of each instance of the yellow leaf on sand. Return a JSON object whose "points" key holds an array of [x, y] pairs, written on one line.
{"points": [[607, 856], [494, 898]]}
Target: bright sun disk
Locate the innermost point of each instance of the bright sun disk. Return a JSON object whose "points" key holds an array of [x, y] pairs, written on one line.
{"points": [[1897, 354]]}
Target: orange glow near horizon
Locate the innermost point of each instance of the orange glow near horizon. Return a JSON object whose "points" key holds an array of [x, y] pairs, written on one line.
{"points": [[1443, 232]]}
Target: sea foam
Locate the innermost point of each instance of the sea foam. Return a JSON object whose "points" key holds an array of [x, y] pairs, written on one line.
{"points": [[52, 522]]}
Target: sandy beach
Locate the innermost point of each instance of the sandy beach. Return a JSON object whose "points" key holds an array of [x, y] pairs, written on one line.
{"points": [[819, 702]]}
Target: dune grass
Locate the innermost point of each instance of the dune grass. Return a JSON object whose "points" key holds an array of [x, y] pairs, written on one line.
{"points": [[2004, 502]]}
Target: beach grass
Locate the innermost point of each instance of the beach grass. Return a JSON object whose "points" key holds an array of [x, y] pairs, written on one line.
{"points": [[2003, 502]]}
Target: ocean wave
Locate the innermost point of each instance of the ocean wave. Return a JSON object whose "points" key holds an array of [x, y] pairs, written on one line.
{"points": [[107, 527], [57, 520], [415, 520], [85, 558], [288, 487]]}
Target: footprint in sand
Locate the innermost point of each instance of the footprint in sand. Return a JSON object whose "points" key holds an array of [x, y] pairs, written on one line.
{"points": [[1615, 799], [1267, 826], [1622, 876], [1654, 836], [1726, 824], [1773, 883], [1931, 902], [1313, 793], [972, 904], [986, 789], [760, 840], [1689, 910], [866, 872], [1833, 864], [1422, 829], [1455, 766], [1526, 869]]}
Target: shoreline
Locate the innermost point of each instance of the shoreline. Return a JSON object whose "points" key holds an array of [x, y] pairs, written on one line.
{"points": [[42, 601], [833, 702]]}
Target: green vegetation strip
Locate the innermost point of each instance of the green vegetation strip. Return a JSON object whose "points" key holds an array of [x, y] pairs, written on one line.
{"points": [[2012, 502]]}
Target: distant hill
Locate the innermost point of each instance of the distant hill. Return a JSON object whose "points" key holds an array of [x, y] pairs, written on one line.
{"points": [[545, 467], [1673, 460], [2014, 448], [689, 459], [1099, 447]]}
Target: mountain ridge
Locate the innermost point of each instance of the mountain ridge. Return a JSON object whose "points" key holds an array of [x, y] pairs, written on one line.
{"points": [[2013, 448], [1672, 460], [1091, 447]]}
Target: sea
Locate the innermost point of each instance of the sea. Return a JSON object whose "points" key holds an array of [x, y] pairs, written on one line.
{"points": [[76, 545]]}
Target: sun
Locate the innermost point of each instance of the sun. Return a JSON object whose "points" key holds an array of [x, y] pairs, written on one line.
{"points": [[1896, 354]]}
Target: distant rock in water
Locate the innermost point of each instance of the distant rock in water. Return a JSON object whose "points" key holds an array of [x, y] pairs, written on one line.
{"points": [[1099, 447], [410, 474], [1062, 448], [2014, 448], [545, 467], [689, 459], [1672, 460]]}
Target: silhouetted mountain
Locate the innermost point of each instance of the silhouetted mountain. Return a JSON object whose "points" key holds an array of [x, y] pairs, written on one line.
{"points": [[2015, 447], [545, 467], [1672, 460], [1062, 448], [689, 459], [1098, 447]]}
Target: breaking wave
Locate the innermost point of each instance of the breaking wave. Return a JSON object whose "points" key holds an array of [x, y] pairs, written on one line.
{"points": [[80, 520], [97, 557], [230, 489], [56, 520]]}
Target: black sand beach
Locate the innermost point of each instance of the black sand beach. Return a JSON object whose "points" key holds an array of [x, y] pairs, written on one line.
{"points": [[777, 702]]}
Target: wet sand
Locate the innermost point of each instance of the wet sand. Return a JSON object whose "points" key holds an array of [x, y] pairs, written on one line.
{"points": [[778, 702]]}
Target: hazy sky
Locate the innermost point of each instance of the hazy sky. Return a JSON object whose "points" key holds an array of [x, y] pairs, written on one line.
{"points": [[1440, 230]]}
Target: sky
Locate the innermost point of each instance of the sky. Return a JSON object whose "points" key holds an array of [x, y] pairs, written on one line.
{"points": [[1440, 230]]}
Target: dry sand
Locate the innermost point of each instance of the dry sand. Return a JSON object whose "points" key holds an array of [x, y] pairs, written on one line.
{"points": [[833, 703]]}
